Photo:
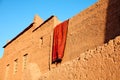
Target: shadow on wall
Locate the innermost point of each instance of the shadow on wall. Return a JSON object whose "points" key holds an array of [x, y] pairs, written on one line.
{"points": [[112, 20]]}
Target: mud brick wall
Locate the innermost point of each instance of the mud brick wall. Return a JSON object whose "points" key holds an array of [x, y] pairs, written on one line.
{"points": [[101, 63], [36, 44], [92, 27]]}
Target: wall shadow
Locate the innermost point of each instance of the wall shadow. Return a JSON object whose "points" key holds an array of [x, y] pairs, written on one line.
{"points": [[112, 20]]}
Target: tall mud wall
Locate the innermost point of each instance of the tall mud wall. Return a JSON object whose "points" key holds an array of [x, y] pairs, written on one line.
{"points": [[101, 63], [92, 27]]}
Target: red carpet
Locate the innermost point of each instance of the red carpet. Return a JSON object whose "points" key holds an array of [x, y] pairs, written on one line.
{"points": [[59, 40]]}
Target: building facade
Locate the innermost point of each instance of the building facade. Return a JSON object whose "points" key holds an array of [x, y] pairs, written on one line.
{"points": [[28, 55]]}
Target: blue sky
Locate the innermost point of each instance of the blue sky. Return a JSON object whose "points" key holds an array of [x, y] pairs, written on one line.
{"points": [[15, 15]]}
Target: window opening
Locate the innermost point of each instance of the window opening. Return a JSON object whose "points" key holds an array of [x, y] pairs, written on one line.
{"points": [[15, 66], [7, 71], [25, 61]]}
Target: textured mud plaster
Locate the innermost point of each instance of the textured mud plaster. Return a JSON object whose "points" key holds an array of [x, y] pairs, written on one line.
{"points": [[101, 63], [32, 72]]}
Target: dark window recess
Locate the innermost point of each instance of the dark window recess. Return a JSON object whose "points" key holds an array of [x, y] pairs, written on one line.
{"points": [[41, 40], [25, 61], [15, 66]]}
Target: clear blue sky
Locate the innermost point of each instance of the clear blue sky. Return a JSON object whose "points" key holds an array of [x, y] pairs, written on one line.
{"points": [[15, 15]]}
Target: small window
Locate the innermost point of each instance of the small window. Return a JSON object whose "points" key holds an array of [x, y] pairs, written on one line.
{"points": [[40, 42], [15, 66], [8, 65], [25, 61], [7, 71]]}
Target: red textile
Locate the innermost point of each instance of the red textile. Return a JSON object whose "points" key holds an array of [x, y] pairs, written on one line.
{"points": [[59, 40]]}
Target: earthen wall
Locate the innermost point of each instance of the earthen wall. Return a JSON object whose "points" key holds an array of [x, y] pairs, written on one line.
{"points": [[92, 27], [29, 46], [100, 63]]}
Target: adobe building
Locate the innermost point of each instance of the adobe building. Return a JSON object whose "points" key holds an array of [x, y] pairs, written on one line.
{"points": [[28, 55]]}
